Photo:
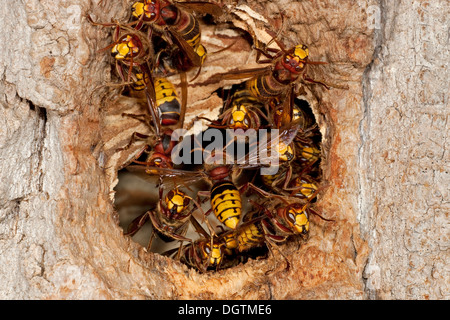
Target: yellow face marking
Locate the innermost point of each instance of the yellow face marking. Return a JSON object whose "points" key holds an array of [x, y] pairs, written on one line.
{"points": [[133, 46], [308, 189], [282, 148], [125, 48], [301, 51], [120, 51], [285, 151], [137, 9], [216, 252], [300, 222], [215, 255], [239, 114], [177, 199], [296, 114]]}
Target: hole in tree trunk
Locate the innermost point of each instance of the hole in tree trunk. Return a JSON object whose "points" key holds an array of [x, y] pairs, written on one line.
{"points": [[206, 100]]}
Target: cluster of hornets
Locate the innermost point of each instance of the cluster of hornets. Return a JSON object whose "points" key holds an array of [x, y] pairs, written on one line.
{"points": [[254, 213]]}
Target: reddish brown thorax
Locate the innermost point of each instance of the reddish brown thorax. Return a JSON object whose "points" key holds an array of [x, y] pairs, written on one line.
{"points": [[166, 144], [219, 173], [168, 13], [160, 160], [291, 64]]}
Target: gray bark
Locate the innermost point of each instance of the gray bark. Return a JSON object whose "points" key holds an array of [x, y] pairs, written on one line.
{"points": [[404, 154]]}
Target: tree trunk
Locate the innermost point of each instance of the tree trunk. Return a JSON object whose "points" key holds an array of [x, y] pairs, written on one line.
{"points": [[384, 154]]}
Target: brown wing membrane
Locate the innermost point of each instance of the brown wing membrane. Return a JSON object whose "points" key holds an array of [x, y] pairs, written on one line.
{"points": [[240, 74], [287, 108], [184, 93], [285, 135], [185, 47], [151, 98], [201, 7], [288, 132], [172, 177], [198, 228], [137, 224]]}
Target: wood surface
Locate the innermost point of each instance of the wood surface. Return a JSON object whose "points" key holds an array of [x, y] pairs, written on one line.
{"points": [[385, 154]]}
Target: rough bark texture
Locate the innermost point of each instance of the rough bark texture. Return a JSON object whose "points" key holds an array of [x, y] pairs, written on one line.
{"points": [[385, 155], [404, 159]]}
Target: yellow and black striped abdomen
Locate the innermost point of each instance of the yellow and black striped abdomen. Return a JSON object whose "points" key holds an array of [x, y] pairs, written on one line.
{"points": [[251, 236], [189, 29], [245, 97], [265, 87], [167, 101], [267, 180], [226, 203]]}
